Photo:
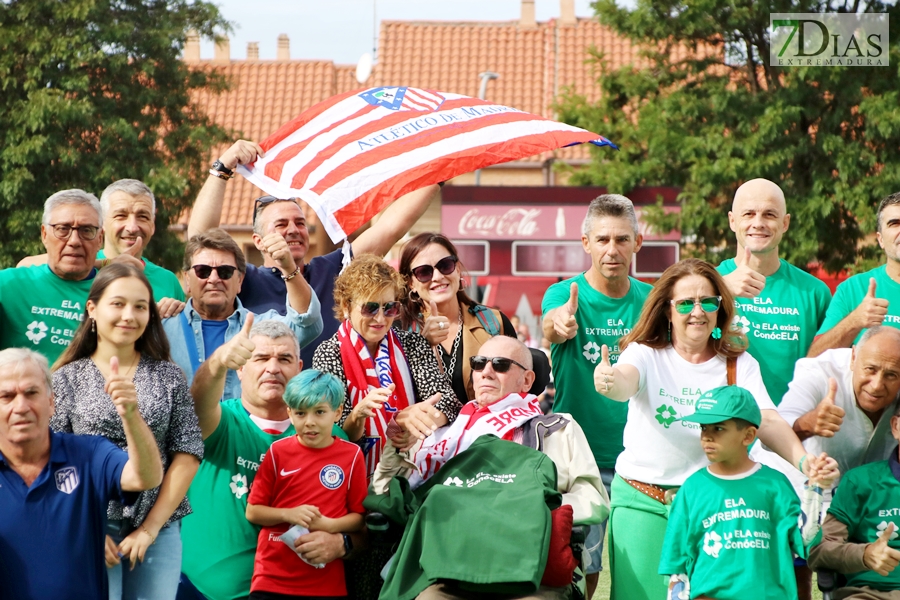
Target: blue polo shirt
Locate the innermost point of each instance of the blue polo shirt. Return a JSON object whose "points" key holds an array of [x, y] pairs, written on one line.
{"points": [[52, 534], [264, 289]]}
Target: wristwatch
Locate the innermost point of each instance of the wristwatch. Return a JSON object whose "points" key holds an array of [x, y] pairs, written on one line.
{"points": [[220, 170], [348, 545]]}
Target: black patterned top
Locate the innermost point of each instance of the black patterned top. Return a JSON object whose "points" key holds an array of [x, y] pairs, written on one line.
{"points": [[84, 408], [426, 374]]}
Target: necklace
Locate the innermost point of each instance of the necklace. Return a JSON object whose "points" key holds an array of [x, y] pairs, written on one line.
{"points": [[458, 337]]}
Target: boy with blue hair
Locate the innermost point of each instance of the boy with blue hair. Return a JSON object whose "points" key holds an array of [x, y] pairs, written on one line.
{"points": [[312, 480], [735, 526]]}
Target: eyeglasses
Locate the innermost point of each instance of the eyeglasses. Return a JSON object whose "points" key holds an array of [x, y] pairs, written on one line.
{"points": [[707, 304], [264, 201], [445, 266], [370, 309], [85, 232], [223, 271], [498, 363]]}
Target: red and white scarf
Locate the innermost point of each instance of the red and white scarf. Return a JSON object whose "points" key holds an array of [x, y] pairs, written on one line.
{"points": [[365, 373], [501, 418]]}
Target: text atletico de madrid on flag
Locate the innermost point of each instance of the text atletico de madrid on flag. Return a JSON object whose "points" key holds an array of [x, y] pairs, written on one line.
{"points": [[351, 155]]}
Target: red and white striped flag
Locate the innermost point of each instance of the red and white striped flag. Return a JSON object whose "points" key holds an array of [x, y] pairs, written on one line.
{"points": [[351, 155]]}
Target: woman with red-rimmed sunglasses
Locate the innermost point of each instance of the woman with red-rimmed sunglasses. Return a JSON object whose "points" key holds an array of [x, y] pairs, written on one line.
{"points": [[395, 387]]}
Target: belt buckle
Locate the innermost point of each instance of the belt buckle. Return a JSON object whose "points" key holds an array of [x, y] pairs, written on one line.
{"points": [[669, 495]]}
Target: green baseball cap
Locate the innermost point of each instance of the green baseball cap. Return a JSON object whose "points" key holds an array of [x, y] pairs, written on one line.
{"points": [[723, 403]]}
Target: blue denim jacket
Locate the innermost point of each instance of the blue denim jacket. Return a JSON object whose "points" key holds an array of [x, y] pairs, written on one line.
{"points": [[306, 327]]}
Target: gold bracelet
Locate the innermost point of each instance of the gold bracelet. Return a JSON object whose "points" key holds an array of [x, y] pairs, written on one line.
{"points": [[147, 531]]}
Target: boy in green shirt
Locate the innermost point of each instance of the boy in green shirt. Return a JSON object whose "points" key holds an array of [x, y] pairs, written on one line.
{"points": [[734, 526]]}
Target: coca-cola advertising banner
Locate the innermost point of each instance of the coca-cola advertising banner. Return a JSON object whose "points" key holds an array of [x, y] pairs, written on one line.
{"points": [[529, 222]]}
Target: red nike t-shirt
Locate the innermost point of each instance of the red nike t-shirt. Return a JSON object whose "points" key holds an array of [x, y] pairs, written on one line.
{"points": [[291, 474]]}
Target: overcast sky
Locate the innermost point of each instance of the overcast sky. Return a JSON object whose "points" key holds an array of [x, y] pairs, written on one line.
{"points": [[342, 30]]}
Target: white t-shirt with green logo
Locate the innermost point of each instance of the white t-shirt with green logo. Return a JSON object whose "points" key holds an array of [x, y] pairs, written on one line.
{"points": [[850, 293], [601, 320], [781, 322], [735, 537], [658, 448], [867, 500]]}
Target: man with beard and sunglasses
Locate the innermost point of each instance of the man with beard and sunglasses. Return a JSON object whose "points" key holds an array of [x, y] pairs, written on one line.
{"points": [[214, 268], [273, 218], [502, 374]]}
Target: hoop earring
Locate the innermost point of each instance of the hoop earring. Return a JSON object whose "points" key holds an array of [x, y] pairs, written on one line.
{"points": [[414, 295]]}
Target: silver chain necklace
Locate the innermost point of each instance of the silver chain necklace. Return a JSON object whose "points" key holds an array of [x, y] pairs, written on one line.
{"points": [[458, 337]]}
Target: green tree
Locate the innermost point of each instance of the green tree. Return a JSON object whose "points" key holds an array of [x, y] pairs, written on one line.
{"points": [[92, 91], [830, 136]]}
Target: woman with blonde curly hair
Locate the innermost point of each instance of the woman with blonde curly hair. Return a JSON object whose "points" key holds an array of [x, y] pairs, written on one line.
{"points": [[395, 387]]}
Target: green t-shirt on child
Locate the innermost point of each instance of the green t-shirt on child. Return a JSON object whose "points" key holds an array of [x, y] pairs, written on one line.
{"points": [[866, 501], [601, 320], [781, 322], [850, 293], [735, 537]]}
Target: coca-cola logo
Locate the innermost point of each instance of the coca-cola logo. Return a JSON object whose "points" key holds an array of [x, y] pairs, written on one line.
{"points": [[516, 222]]}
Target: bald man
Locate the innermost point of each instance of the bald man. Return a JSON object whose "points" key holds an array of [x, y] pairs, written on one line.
{"points": [[779, 306]]}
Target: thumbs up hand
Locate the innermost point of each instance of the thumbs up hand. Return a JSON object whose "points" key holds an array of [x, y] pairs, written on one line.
{"points": [[871, 311], [828, 416], [564, 323], [744, 281], [880, 557], [604, 373], [121, 390], [235, 353], [436, 328]]}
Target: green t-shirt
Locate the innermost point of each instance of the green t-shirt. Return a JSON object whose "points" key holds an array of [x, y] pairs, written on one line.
{"points": [[219, 543], [850, 293], [867, 500], [601, 320], [164, 282], [781, 322], [731, 536], [39, 310]]}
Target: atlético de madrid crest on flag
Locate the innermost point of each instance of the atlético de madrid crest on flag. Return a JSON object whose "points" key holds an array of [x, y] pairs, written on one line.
{"points": [[403, 98]]}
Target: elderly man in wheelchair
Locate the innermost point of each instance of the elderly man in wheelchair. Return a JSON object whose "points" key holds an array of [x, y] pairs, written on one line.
{"points": [[488, 502], [859, 536]]}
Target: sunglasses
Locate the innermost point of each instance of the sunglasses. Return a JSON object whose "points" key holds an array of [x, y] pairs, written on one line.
{"points": [[707, 304], [264, 201], [370, 309], [445, 266], [223, 271], [498, 363]]}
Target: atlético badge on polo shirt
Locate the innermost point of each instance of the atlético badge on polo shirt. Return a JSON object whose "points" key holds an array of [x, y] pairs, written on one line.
{"points": [[66, 479], [331, 476]]}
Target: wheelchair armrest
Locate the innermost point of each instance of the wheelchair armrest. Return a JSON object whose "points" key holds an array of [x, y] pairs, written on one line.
{"points": [[579, 534], [827, 580]]}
